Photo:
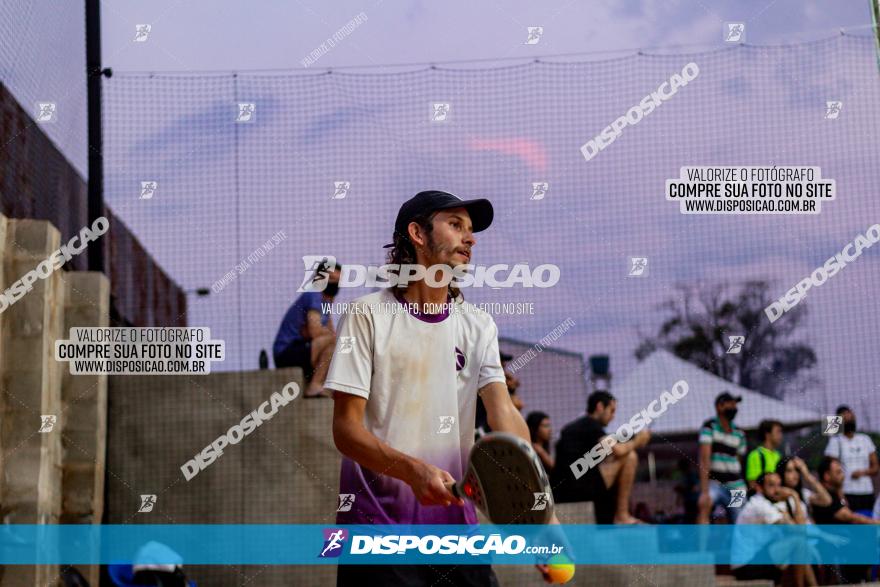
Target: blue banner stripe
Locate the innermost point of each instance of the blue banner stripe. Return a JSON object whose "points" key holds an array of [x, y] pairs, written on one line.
{"points": [[305, 544]]}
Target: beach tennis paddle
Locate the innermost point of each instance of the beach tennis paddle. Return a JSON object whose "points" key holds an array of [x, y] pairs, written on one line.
{"points": [[504, 475]]}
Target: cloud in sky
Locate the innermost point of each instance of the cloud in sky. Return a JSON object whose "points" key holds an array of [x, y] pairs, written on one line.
{"points": [[529, 152]]}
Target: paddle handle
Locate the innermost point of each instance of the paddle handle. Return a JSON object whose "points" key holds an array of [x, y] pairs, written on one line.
{"points": [[453, 489]]}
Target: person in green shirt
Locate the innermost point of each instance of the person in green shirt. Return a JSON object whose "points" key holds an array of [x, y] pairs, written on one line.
{"points": [[764, 458]]}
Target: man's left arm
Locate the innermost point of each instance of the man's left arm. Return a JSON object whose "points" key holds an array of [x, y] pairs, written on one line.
{"points": [[873, 468], [501, 413], [504, 417]]}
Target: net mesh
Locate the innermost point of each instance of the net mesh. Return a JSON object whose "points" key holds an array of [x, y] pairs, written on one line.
{"points": [[55, 72], [328, 158], [223, 188]]}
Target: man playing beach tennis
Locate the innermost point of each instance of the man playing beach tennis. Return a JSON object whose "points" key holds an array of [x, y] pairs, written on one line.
{"points": [[406, 388]]}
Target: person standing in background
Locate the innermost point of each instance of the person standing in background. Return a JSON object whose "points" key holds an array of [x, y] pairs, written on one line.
{"points": [[722, 445], [765, 458], [858, 456]]}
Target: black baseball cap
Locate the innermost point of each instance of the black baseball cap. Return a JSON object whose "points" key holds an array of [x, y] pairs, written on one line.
{"points": [[480, 210], [725, 396]]}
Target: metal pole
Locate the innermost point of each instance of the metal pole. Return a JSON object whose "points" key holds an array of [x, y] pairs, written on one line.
{"points": [[95, 144], [875, 14]]}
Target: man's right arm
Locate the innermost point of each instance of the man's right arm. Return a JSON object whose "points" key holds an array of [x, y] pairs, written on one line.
{"points": [[847, 516], [705, 463], [360, 445], [621, 449]]}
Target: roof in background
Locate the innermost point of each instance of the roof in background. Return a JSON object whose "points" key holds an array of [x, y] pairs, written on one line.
{"points": [[662, 369]]}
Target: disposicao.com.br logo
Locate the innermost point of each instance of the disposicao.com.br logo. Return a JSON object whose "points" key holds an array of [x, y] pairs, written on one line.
{"points": [[334, 539], [451, 544], [319, 267]]}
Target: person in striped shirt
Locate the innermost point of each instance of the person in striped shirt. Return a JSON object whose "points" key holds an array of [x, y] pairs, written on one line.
{"points": [[722, 446]]}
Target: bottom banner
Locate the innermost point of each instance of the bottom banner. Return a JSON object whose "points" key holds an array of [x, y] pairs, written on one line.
{"points": [[482, 544]]}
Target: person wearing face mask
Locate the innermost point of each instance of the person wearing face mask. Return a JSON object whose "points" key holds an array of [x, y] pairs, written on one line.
{"points": [[722, 447], [857, 455], [306, 337]]}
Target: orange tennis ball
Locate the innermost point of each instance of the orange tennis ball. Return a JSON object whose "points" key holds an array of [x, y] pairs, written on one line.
{"points": [[560, 569]]}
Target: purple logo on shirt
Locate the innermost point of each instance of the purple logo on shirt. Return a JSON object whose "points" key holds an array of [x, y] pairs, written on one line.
{"points": [[459, 359], [333, 541]]}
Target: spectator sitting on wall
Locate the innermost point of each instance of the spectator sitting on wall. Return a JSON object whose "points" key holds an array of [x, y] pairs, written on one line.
{"points": [[764, 458], [795, 475], [607, 484], [541, 431], [306, 337], [766, 546], [832, 477]]}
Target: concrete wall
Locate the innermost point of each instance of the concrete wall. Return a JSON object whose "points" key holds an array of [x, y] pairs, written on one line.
{"points": [[56, 475], [287, 471]]}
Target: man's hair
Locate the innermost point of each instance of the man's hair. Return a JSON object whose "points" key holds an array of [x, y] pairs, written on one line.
{"points": [[596, 398], [766, 427], [763, 477], [825, 466], [404, 251], [843, 408]]}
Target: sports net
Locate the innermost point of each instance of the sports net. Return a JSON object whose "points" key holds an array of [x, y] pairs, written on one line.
{"points": [[40, 72], [325, 159]]}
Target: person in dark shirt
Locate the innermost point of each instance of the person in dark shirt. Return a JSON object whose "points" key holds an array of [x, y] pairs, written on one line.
{"points": [[609, 483], [831, 476]]}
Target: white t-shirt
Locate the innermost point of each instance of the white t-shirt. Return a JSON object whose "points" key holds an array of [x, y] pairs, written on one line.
{"points": [[420, 377], [854, 456], [757, 510], [789, 506]]}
